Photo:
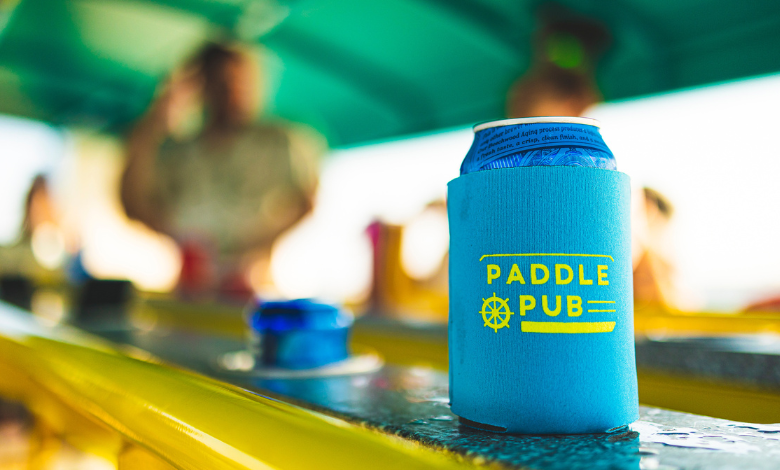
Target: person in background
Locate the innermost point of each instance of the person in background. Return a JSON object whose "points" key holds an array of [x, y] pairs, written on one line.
{"points": [[41, 247], [768, 305], [39, 254], [560, 81], [225, 192], [549, 90], [653, 269]]}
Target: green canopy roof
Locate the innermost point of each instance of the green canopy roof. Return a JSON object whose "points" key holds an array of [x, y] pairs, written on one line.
{"points": [[360, 70]]}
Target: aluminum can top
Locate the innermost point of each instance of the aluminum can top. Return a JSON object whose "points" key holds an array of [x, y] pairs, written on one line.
{"points": [[538, 141]]}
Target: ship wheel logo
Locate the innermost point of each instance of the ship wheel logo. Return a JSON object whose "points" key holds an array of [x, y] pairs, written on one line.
{"points": [[495, 312]]}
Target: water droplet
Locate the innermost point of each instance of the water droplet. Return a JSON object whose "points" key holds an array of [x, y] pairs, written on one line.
{"points": [[445, 401], [439, 400], [690, 438], [418, 421], [649, 463], [762, 428], [442, 418]]}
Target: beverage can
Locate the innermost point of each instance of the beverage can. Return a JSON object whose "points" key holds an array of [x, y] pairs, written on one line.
{"points": [[541, 307]]}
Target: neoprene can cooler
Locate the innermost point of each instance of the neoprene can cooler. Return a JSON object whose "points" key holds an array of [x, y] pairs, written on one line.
{"points": [[541, 336]]}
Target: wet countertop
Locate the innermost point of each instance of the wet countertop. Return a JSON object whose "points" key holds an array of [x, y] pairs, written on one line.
{"points": [[413, 403]]}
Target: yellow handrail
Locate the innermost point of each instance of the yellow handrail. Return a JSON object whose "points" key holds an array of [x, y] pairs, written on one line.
{"points": [[656, 320], [186, 419]]}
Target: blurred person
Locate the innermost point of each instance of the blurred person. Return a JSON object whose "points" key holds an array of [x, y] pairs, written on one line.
{"points": [[38, 256], [15, 425], [38, 206], [654, 270], [560, 81], [41, 246], [549, 90], [767, 305], [228, 191]]}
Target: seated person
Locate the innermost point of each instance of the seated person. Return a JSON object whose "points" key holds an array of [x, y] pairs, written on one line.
{"points": [[654, 268]]}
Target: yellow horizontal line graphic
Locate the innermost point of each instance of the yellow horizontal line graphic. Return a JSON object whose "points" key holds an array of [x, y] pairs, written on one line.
{"points": [[560, 327], [546, 254], [601, 301], [600, 311]]}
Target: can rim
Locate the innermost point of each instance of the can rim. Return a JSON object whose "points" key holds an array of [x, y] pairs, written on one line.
{"points": [[539, 119]]}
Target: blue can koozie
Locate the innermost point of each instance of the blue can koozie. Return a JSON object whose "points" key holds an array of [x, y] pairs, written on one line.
{"points": [[541, 309]]}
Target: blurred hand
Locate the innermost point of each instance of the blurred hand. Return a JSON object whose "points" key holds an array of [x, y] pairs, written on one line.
{"points": [[178, 96]]}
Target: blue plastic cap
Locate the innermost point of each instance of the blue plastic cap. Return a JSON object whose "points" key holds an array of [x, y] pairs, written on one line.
{"points": [[301, 333], [298, 314]]}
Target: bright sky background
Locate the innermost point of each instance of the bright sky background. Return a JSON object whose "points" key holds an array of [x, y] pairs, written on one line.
{"points": [[712, 151]]}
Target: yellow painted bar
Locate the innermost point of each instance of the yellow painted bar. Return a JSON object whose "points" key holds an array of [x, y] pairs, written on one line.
{"points": [[158, 311], [708, 397], [658, 321], [185, 419], [648, 319]]}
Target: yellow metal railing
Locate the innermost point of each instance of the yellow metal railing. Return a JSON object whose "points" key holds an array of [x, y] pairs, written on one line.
{"points": [[654, 320], [140, 413], [133, 411]]}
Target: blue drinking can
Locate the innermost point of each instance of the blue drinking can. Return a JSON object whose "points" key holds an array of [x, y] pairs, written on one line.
{"points": [[541, 298]]}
